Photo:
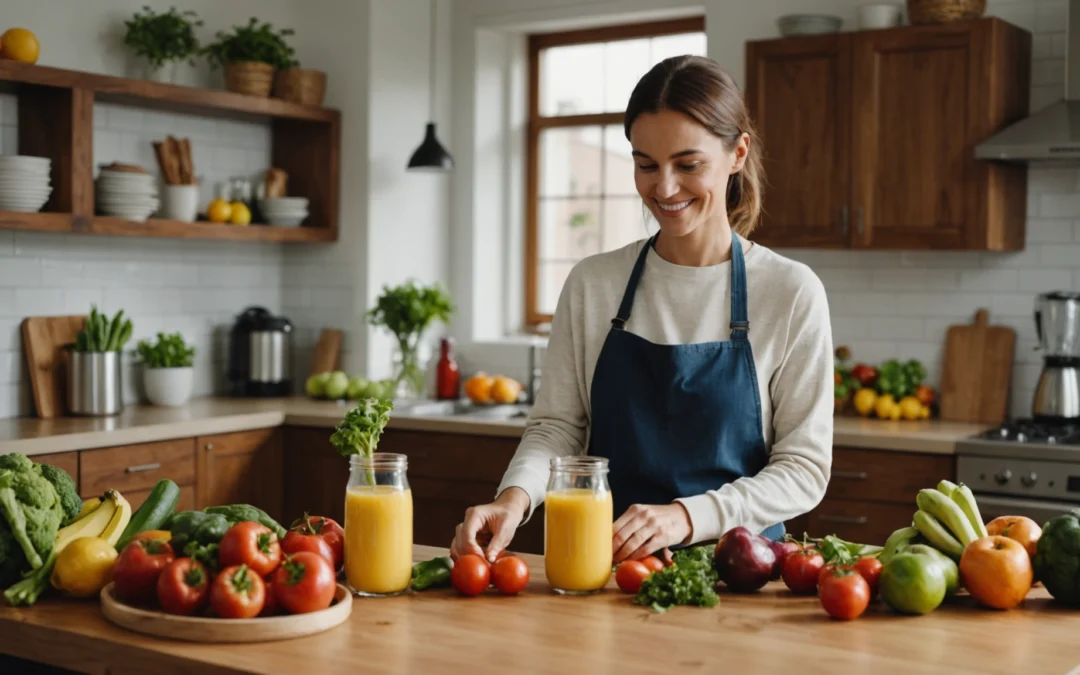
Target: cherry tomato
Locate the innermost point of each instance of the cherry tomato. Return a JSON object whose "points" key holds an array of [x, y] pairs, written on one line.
{"points": [[510, 575], [297, 542], [237, 593], [653, 563], [801, 570], [844, 594], [182, 586], [471, 574], [630, 574], [252, 544], [305, 583], [135, 575], [870, 569], [326, 529]]}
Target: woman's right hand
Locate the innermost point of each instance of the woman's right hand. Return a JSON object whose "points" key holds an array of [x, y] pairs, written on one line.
{"points": [[488, 528]]}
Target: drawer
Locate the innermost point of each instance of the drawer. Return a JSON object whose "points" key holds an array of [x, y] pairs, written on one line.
{"points": [[131, 468], [858, 521], [68, 461], [886, 476], [185, 503]]}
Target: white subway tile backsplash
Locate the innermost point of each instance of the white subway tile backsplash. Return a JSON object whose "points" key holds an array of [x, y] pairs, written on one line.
{"points": [[10, 336], [1012, 304], [9, 140], [1060, 255], [7, 243], [1045, 230], [9, 110], [39, 302], [1059, 205], [989, 280], [10, 367], [20, 272], [1038, 281], [1050, 16], [1048, 72], [905, 279], [1045, 180]]}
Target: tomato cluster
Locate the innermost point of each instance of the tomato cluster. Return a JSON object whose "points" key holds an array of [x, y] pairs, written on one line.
{"points": [[845, 591], [630, 574], [472, 575], [257, 576]]}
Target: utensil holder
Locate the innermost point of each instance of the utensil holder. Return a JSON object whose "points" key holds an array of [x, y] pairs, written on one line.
{"points": [[94, 383]]}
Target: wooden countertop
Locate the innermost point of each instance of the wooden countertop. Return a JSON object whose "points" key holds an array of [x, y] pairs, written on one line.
{"points": [[538, 632], [215, 415]]}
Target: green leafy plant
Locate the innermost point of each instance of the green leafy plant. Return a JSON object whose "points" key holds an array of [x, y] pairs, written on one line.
{"points": [[169, 351], [691, 580], [406, 311], [100, 334], [165, 37], [359, 432], [252, 42]]}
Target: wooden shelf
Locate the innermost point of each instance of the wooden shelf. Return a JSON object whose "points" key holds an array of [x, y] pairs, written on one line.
{"points": [[41, 222], [175, 229]]}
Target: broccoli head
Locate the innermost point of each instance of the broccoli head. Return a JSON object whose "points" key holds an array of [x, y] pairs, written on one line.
{"points": [[12, 558], [15, 461], [65, 489], [30, 505]]}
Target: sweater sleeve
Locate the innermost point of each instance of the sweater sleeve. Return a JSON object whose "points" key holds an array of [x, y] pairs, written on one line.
{"points": [[558, 422], [800, 460]]}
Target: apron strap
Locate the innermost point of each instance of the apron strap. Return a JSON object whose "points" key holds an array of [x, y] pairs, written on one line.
{"points": [[740, 319], [631, 286]]}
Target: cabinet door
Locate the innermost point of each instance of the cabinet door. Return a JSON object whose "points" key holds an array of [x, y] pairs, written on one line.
{"points": [[798, 92], [316, 475], [68, 461], [242, 468]]}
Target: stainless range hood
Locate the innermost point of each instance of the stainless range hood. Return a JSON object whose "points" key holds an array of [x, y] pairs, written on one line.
{"points": [[1053, 133]]}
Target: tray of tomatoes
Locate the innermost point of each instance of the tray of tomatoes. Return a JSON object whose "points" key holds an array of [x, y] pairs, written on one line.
{"points": [[255, 589]]}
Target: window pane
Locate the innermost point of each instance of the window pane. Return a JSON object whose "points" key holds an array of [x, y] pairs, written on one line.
{"points": [[625, 62], [572, 79], [677, 45], [551, 277], [618, 164], [570, 162], [568, 229], [625, 220]]}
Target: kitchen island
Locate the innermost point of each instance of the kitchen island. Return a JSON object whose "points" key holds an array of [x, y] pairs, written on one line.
{"points": [[437, 631]]}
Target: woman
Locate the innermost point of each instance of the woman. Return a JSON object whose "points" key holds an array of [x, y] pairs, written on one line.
{"points": [[698, 363]]}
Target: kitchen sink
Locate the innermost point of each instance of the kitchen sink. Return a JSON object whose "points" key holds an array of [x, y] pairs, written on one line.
{"points": [[462, 409]]}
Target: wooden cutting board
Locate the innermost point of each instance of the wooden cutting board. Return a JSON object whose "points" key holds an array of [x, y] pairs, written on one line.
{"points": [[977, 371], [327, 351], [43, 341]]}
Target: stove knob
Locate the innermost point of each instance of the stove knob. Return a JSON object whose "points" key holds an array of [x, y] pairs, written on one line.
{"points": [[1003, 476], [1029, 480]]}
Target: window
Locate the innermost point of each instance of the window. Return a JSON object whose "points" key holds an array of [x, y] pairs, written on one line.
{"points": [[580, 197]]}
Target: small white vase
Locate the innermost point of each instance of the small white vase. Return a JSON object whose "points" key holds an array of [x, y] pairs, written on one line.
{"points": [[180, 202], [164, 73], [168, 386]]}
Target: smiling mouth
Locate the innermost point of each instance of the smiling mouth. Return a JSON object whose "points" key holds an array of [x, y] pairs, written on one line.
{"points": [[675, 208]]}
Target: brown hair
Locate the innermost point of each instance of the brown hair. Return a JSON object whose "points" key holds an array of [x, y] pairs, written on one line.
{"points": [[700, 88]]}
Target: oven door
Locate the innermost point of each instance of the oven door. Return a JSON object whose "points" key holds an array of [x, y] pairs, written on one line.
{"points": [[1039, 511]]}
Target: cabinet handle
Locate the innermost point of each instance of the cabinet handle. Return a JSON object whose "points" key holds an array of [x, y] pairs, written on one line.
{"points": [[843, 220], [854, 475], [143, 467], [209, 446], [858, 220], [851, 520]]}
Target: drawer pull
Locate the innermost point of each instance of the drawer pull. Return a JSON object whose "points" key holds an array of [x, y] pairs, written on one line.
{"points": [[138, 468], [851, 520], [854, 475]]}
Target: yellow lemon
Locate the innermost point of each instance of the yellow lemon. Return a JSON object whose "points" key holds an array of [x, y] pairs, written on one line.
{"points": [[241, 214], [885, 407], [84, 567], [219, 211], [864, 401], [910, 408], [19, 44]]}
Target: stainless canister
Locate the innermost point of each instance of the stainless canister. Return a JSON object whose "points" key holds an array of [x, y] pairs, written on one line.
{"points": [[270, 352], [94, 383]]}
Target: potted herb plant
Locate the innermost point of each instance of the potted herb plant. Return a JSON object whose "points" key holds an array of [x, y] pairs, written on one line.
{"points": [[250, 55], [163, 40], [406, 311], [167, 369]]}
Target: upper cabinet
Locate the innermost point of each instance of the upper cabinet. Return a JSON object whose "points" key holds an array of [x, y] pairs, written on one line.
{"points": [[869, 137]]}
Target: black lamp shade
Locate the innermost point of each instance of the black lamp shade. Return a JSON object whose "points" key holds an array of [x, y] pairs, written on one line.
{"points": [[431, 154]]}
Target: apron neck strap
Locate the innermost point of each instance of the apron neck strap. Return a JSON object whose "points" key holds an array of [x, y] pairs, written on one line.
{"points": [[631, 286]]}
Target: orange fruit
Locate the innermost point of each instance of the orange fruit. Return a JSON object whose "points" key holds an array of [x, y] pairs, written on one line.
{"points": [[19, 44], [478, 388], [219, 211], [996, 571], [1021, 528], [505, 389]]}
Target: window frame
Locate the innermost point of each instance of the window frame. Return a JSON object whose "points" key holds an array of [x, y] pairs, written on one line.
{"points": [[538, 123]]}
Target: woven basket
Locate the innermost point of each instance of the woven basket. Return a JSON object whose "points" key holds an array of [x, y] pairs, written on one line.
{"points": [[249, 77], [300, 85], [943, 11]]}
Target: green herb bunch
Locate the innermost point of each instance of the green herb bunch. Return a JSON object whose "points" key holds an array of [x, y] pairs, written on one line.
{"points": [[161, 38], [690, 581], [100, 334], [169, 351], [359, 432], [406, 311], [252, 42]]}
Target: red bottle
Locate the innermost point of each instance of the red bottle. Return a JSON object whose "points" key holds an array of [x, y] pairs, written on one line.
{"points": [[448, 376]]}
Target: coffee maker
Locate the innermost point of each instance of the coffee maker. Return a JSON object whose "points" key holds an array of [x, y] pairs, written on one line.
{"points": [[1057, 326], [260, 354]]}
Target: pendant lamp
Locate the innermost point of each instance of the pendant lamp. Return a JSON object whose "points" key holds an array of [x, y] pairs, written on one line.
{"points": [[431, 155]]}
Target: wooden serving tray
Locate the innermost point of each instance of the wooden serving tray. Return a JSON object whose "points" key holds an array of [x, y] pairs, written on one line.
{"points": [[204, 629]]}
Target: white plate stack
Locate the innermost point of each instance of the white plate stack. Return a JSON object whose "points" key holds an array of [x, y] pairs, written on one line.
{"points": [[24, 183], [287, 211], [126, 194]]}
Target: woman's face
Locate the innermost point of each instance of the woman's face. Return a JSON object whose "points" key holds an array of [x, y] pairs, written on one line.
{"points": [[681, 169]]}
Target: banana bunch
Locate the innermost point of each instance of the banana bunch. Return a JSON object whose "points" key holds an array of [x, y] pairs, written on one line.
{"points": [[948, 519]]}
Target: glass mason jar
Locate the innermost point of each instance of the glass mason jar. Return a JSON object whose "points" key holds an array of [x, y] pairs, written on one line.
{"points": [[378, 525], [578, 525]]}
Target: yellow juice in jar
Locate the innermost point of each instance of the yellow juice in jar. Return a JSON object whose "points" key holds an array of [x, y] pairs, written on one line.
{"points": [[577, 539], [378, 539]]}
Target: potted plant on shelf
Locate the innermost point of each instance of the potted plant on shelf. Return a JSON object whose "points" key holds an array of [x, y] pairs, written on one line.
{"points": [[250, 55], [167, 369], [163, 40], [406, 311]]}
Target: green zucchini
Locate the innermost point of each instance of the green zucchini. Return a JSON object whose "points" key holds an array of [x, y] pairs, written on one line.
{"points": [[154, 512]]}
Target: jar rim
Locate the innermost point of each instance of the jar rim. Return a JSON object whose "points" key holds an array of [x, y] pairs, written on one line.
{"points": [[580, 464], [380, 460]]}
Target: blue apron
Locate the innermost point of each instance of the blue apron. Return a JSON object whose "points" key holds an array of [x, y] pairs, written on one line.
{"points": [[677, 420]]}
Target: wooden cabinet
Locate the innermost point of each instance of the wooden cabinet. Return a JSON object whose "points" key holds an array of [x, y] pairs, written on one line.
{"points": [[246, 467], [136, 468], [68, 461], [869, 137]]}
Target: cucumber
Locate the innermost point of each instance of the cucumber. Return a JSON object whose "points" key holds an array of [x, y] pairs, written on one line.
{"points": [[153, 513]]}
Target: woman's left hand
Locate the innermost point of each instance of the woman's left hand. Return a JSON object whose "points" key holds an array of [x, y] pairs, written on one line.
{"points": [[645, 529]]}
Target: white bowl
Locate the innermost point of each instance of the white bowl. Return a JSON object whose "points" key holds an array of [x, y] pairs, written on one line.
{"points": [[31, 161], [21, 172], [290, 204], [22, 206], [876, 16]]}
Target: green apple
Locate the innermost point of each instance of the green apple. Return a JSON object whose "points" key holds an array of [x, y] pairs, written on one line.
{"points": [[948, 566], [357, 387], [913, 583], [316, 385], [337, 384]]}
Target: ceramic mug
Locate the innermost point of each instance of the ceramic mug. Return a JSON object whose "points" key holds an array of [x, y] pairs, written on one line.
{"points": [[878, 16], [180, 202]]}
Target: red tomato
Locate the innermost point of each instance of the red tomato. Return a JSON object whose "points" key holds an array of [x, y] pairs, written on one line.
{"points": [[630, 574], [270, 605], [326, 529], [298, 542], [136, 572], [237, 593], [471, 574], [828, 568], [510, 575], [653, 563], [844, 594], [870, 569], [801, 570], [252, 544], [305, 583], [182, 586]]}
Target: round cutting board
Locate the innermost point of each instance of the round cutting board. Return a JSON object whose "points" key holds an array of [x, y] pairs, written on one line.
{"points": [[206, 629]]}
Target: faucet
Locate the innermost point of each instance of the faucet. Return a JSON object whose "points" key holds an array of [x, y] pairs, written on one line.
{"points": [[535, 374]]}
